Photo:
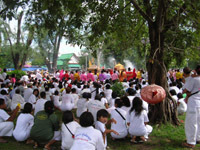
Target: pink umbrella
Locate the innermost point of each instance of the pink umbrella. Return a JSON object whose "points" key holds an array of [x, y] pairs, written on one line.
{"points": [[153, 94], [27, 66]]}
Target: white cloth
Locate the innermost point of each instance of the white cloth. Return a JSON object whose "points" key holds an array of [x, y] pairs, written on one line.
{"points": [[120, 126], [182, 106], [67, 139], [39, 106], [81, 106], [76, 97], [27, 94], [108, 94], [23, 127], [48, 95], [6, 127], [104, 100], [56, 101], [88, 139], [67, 102], [32, 99], [17, 99], [94, 106], [102, 128], [137, 126]]}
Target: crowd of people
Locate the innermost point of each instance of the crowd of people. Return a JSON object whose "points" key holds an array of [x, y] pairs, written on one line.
{"points": [[88, 104]]}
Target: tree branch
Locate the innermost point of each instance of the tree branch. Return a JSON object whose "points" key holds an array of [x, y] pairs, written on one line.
{"points": [[144, 15], [19, 27]]}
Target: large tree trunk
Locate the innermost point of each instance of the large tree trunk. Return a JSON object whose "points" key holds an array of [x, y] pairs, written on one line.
{"points": [[157, 74]]}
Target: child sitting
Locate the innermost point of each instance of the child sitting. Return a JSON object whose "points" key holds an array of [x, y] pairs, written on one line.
{"points": [[6, 121], [68, 129], [182, 106], [137, 120], [102, 120]]}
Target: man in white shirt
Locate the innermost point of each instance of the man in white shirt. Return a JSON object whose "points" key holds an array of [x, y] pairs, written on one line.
{"points": [[28, 92], [39, 106]]}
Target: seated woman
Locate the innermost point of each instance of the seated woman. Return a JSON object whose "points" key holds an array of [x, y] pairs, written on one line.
{"points": [[137, 120], [86, 137], [68, 129], [46, 125], [6, 121], [67, 101], [24, 124]]}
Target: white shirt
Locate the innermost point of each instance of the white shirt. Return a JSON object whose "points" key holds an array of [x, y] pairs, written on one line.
{"points": [[17, 99], [32, 99], [193, 86], [39, 106], [81, 106], [137, 126], [104, 100], [56, 101], [67, 102], [108, 94], [24, 121], [67, 139], [94, 106], [120, 126], [88, 139], [182, 107], [27, 94], [102, 128], [76, 97], [3, 115]]}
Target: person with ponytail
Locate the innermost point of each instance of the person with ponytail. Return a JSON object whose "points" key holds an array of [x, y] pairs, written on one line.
{"points": [[46, 126], [137, 120]]}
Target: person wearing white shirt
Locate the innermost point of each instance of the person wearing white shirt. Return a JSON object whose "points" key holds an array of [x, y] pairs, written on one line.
{"points": [[182, 106], [119, 115], [32, 99], [24, 123], [67, 101], [17, 99], [6, 121], [28, 92], [108, 92], [95, 105], [86, 137], [56, 99], [39, 106], [68, 129], [192, 120], [75, 96], [126, 104], [137, 120], [82, 103]]}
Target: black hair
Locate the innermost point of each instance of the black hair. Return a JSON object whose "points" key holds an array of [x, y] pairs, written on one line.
{"points": [[49, 107], [73, 90], [107, 86], [126, 101], [114, 94], [67, 117], [86, 119], [27, 108], [3, 92], [35, 91], [98, 97], [131, 91], [102, 113], [186, 70], [2, 101], [198, 69], [172, 92], [43, 94], [17, 91], [86, 95], [46, 88], [137, 106], [56, 93], [68, 90], [180, 95], [131, 84], [119, 103]]}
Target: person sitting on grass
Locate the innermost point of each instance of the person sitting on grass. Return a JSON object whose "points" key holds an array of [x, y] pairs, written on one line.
{"points": [[68, 129], [137, 120], [86, 137], [119, 115], [24, 124], [46, 126], [6, 121], [102, 120]]}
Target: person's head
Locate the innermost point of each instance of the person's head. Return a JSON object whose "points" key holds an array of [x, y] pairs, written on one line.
{"points": [[129, 69], [118, 103], [136, 106], [46, 88], [86, 95], [198, 69], [68, 90], [36, 92], [180, 95], [17, 91], [73, 90], [102, 115], [86, 119], [131, 92], [126, 101], [67, 117], [49, 107], [107, 86], [27, 108], [43, 95], [3, 92], [2, 103], [172, 92], [56, 93], [186, 71]]}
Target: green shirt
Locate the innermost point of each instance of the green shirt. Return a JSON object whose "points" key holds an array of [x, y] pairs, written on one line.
{"points": [[44, 126]]}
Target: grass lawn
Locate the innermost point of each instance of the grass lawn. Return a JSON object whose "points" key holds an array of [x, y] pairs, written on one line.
{"points": [[164, 137]]}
